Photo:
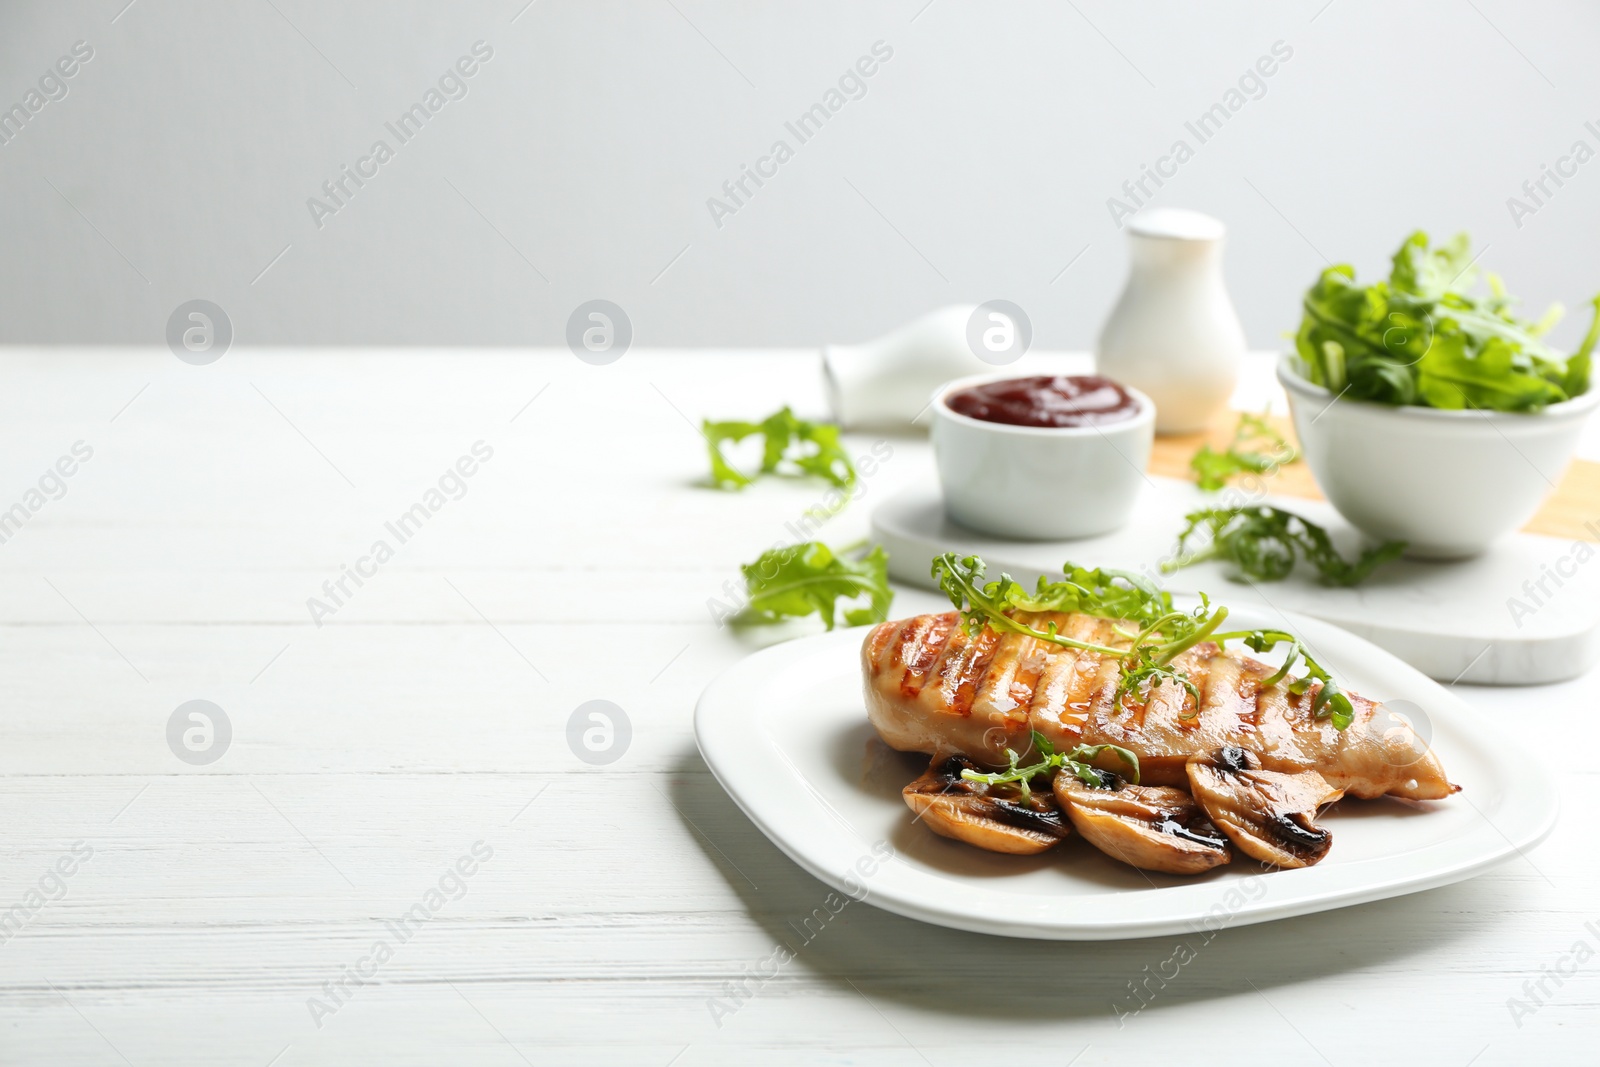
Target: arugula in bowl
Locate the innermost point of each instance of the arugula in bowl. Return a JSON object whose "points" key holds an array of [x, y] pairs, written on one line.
{"points": [[1422, 338]]}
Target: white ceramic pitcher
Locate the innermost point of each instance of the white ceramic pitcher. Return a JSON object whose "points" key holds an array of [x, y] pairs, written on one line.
{"points": [[885, 383], [1174, 334]]}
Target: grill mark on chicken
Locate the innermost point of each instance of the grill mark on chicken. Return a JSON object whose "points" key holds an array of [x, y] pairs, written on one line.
{"points": [[994, 687], [1078, 697], [935, 643], [1250, 692], [879, 639], [948, 662], [921, 646], [1060, 676], [1272, 726], [1030, 664], [1228, 692], [964, 683], [911, 631], [1103, 707], [1166, 710], [1049, 699]]}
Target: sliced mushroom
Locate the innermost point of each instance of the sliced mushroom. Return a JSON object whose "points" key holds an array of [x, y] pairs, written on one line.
{"points": [[1268, 814], [998, 818], [1156, 828]]}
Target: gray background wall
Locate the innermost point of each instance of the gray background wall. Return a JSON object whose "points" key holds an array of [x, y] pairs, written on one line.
{"points": [[977, 165]]}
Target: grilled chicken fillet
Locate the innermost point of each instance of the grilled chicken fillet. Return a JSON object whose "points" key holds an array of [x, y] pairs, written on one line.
{"points": [[930, 688]]}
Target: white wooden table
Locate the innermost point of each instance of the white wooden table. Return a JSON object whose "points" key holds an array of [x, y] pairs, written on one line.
{"points": [[429, 713]]}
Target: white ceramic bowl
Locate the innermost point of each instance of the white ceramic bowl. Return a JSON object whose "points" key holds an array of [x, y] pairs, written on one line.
{"points": [[1449, 483], [1032, 483]]}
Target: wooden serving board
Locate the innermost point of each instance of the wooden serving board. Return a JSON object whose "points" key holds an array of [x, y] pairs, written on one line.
{"points": [[1575, 502], [1471, 620]]}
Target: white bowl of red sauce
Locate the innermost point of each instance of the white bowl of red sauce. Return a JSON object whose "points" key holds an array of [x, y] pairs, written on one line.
{"points": [[1043, 457]]}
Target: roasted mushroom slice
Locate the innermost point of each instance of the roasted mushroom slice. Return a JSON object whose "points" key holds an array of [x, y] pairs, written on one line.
{"points": [[1266, 813], [1156, 828], [999, 818]]}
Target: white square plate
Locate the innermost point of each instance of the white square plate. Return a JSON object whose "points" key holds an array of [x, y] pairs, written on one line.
{"points": [[785, 731]]}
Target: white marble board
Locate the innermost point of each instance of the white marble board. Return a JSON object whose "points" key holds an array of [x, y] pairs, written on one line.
{"points": [[1484, 620]]}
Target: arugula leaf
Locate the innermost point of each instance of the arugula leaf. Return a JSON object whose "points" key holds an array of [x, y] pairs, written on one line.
{"points": [[810, 578], [1414, 268], [1262, 543], [1076, 762], [1330, 699], [1450, 377], [785, 440], [723, 474], [1422, 338], [1163, 633], [1093, 592], [1213, 469]]}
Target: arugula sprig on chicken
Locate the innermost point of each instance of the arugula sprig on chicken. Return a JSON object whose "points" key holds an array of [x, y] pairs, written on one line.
{"points": [[1156, 633]]}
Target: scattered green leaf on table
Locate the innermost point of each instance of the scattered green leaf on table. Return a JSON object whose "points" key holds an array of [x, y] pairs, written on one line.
{"points": [[1262, 544], [807, 447], [1213, 469], [809, 578]]}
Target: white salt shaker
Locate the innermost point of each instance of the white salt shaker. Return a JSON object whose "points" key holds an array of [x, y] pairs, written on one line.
{"points": [[1174, 334]]}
